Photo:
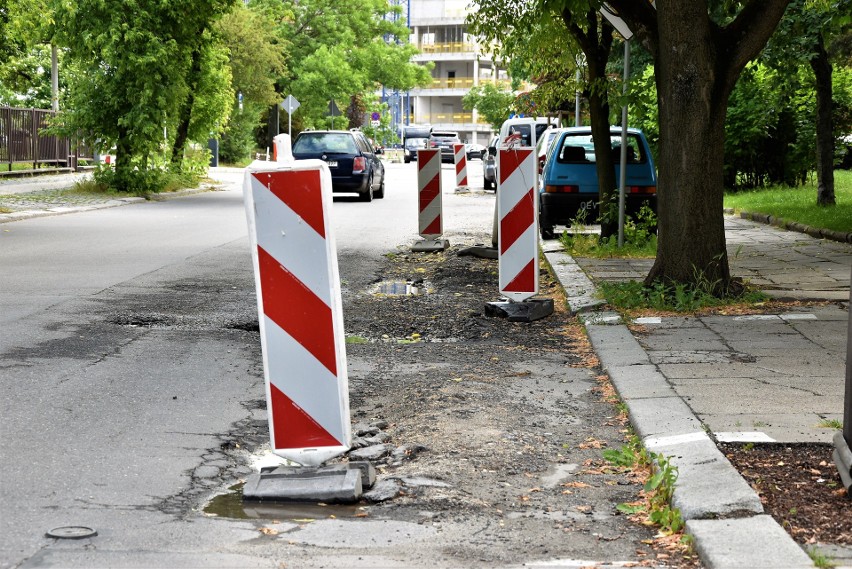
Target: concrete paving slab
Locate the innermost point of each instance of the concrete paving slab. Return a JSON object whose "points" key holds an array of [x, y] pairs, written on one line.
{"points": [[756, 542], [788, 427], [746, 395]]}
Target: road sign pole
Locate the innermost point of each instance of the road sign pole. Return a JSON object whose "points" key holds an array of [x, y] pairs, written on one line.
{"points": [[843, 438], [622, 174]]}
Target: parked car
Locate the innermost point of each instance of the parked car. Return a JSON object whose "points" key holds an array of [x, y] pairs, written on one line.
{"points": [[543, 145], [568, 183], [412, 145], [474, 151], [525, 131], [445, 139], [414, 137], [489, 164], [354, 163]]}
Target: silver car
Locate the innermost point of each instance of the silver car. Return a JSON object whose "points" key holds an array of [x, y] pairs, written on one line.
{"points": [[489, 167]]}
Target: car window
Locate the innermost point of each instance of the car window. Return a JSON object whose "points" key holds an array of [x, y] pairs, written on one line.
{"points": [[363, 144], [580, 149], [335, 142], [445, 136], [524, 131]]}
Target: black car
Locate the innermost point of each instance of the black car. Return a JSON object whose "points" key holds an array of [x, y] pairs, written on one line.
{"points": [[354, 163], [445, 139]]}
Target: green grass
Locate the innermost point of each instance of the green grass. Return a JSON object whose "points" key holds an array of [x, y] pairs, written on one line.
{"points": [[682, 297], [799, 204]]}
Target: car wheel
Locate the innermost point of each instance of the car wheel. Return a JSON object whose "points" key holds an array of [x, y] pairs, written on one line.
{"points": [[407, 159], [547, 233], [380, 193], [367, 196]]}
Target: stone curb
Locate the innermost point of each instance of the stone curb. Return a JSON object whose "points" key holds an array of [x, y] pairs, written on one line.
{"points": [[746, 543], [722, 512], [61, 210], [794, 226]]}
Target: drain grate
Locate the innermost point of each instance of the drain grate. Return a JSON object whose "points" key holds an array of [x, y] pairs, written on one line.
{"points": [[400, 288]]}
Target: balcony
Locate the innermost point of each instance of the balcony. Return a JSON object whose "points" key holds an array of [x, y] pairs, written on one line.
{"points": [[465, 83], [448, 47]]}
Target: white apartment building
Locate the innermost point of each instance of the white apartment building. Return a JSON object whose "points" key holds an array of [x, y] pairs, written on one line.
{"points": [[460, 63]]}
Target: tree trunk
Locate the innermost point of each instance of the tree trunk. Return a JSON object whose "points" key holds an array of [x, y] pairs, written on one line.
{"points": [[595, 40], [604, 164], [692, 95], [123, 157], [824, 129], [182, 132]]}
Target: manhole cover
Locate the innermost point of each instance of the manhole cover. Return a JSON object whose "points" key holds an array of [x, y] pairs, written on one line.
{"points": [[72, 532]]}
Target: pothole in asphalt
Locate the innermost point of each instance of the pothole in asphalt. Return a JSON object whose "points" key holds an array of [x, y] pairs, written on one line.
{"points": [[400, 288], [142, 320], [231, 505]]}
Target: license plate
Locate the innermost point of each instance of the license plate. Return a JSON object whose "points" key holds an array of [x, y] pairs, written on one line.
{"points": [[332, 163]]}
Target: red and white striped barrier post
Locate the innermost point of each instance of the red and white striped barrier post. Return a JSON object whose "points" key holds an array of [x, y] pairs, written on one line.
{"points": [[430, 214], [460, 160], [300, 309], [517, 242]]}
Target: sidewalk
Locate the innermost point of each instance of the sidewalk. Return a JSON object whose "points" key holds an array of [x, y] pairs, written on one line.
{"points": [[762, 378], [41, 196]]}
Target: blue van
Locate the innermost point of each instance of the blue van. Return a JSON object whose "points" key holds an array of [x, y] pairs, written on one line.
{"points": [[569, 181]]}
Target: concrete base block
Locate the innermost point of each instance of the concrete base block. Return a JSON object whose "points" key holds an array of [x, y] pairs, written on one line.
{"points": [[339, 483], [525, 311], [746, 543], [430, 246], [843, 459], [480, 251]]}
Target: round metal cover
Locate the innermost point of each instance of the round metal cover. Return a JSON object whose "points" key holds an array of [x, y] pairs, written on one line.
{"points": [[72, 532]]}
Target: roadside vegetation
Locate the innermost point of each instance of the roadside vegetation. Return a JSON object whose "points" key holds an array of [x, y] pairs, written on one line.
{"points": [[797, 204]]}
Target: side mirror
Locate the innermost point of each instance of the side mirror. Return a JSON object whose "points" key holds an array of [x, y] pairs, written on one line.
{"points": [[492, 150], [379, 151]]}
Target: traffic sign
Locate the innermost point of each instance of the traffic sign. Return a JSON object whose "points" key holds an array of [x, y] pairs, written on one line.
{"points": [[290, 104]]}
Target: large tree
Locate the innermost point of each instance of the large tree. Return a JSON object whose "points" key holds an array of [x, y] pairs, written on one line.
{"points": [[697, 59], [131, 72]]}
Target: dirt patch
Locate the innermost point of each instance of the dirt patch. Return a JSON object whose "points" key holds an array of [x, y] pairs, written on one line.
{"points": [[511, 419], [799, 486]]}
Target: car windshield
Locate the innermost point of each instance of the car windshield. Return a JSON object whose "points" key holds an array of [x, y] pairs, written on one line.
{"points": [[580, 148], [332, 142]]}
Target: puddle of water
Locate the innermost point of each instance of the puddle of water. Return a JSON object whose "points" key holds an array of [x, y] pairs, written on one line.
{"points": [[231, 505], [399, 288]]}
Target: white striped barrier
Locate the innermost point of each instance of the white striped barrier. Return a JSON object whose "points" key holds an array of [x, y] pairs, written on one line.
{"points": [[460, 161], [517, 241], [300, 309], [430, 213]]}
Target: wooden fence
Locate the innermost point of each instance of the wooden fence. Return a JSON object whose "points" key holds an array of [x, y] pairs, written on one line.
{"points": [[23, 140]]}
